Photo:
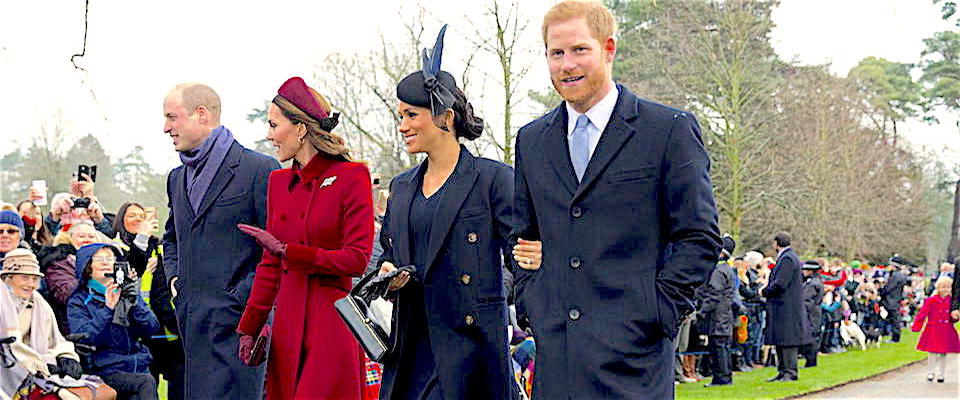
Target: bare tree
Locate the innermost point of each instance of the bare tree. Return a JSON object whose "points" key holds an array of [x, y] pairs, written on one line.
{"points": [[500, 34]]}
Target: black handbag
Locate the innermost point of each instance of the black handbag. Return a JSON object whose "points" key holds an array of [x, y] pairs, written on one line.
{"points": [[370, 316]]}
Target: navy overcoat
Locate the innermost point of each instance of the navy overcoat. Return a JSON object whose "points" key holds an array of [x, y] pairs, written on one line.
{"points": [[787, 323], [465, 300], [215, 263], [624, 250]]}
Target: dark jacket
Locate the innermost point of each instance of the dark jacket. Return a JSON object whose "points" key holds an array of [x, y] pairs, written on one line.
{"points": [[463, 285], [214, 263], [812, 297], [749, 291], [160, 295], [892, 292], [786, 319], [624, 250], [716, 301], [118, 348]]}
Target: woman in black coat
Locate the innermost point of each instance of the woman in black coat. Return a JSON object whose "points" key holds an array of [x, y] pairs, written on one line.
{"points": [[450, 218]]}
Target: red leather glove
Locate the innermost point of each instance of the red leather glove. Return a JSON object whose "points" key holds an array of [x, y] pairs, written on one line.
{"points": [[266, 240], [246, 348]]}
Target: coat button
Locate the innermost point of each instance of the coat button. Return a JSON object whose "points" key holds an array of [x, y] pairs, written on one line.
{"points": [[303, 215], [576, 212], [574, 314], [468, 320], [575, 262], [283, 217], [465, 279], [472, 237]]}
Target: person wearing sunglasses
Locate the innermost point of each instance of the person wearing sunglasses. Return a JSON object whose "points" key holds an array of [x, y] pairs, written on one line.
{"points": [[114, 319], [11, 232]]}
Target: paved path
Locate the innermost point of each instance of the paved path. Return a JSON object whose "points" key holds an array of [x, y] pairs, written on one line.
{"points": [[906, 383]]}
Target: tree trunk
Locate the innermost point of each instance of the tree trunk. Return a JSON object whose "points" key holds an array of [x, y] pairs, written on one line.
{"points": [[953, 250]]}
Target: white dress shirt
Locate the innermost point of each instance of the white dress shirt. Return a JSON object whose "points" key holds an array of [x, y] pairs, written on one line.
{"points": [[599, 116]]}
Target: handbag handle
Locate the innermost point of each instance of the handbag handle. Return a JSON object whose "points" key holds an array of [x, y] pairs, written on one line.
{"points": [[374, 285]]}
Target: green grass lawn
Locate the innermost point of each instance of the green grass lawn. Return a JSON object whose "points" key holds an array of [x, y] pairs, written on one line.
{"points": [[831, 370]]}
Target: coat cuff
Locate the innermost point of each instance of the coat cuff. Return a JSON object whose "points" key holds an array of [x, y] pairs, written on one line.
{"points": [[300, 256]]}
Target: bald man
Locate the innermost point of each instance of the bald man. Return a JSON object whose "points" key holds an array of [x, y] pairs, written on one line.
{"points": [[209, 263]]}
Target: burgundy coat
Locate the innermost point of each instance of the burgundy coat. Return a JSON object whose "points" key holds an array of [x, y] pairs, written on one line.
{"points": [[61, 282], [324, 212], [939, 336]]}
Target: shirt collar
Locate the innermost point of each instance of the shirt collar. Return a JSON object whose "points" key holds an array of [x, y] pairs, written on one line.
{"points": [[780, 253], [599, 114]]}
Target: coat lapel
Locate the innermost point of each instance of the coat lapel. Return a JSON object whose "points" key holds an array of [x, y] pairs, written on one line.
{"points": [[220, 182], [181, 202], [556, 149], [617, 132], [403, 192], [455, 193]]}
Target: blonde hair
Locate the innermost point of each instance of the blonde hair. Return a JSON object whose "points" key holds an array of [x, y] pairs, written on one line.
{"points": [[326, 142], [194, 95], [599, 18], [63, 237], [945, 281]]}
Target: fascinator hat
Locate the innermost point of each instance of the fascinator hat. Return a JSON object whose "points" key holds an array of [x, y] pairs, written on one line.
{"points": [[430, 87]]}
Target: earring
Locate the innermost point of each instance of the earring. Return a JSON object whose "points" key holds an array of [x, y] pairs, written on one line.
{"points": [[300, 139]]}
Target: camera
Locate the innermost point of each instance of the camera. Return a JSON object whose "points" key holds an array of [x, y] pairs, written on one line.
{"points": [[89, 170], [121, 273], [81, 202]]}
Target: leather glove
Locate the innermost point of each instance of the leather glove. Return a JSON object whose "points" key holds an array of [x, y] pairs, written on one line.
{"points": [[246, 348], [68, 366], [266, 240]]}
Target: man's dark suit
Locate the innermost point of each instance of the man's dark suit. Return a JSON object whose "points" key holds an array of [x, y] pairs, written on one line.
{"points": [[215, 263], [623, 250]]}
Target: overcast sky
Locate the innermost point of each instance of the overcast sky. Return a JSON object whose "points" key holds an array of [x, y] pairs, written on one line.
{"points": [[137, 50]]}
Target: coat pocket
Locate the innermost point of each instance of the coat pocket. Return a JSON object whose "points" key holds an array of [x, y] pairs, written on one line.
{"points": [[641, 174]]}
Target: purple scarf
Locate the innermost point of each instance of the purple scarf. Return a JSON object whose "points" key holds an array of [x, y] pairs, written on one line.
{"points": [[204, 162]]}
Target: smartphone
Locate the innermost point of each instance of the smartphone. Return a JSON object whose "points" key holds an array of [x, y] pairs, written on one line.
{"points": [[89, 170], [150, 213], [40, 186]]}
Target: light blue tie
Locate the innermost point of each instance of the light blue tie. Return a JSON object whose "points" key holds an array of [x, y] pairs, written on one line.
{"points": [[580, 146]]}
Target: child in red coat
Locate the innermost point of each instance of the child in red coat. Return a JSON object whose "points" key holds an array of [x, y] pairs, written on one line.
{"points": [[939, 337]]}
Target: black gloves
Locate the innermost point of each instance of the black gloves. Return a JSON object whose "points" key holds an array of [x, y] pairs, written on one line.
{"points": [[68, 366]]}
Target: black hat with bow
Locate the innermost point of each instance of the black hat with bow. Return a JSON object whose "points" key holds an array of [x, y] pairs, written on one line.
{"points": [[429, 88]]}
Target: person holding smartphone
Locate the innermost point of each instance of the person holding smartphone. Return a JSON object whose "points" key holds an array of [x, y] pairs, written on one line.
{"points": [[136, 227], [79, 204], [93, 310]]}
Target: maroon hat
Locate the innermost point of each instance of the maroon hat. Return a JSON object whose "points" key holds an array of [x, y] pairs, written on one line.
{"points": [[296, 91]]}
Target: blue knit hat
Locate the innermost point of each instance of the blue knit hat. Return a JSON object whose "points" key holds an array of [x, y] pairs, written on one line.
{"points": [[12, 218]]}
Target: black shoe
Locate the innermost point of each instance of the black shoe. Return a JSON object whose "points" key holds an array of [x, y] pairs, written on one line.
{"points": [[787, 379], [810, 365], [939, 378], [776, 378], [712, 384]]}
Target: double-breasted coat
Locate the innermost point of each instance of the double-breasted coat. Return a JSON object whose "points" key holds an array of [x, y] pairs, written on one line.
{"points": [[786, 318], [939, 334], [462, 280], [624, 250], [324, 213], [214, 265]]}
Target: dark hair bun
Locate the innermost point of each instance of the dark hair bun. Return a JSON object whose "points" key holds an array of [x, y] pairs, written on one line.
{"points": [[467, 124]]}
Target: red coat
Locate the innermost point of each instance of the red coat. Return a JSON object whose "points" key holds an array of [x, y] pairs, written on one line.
{"points": [[324, 213], [939, 336]]}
